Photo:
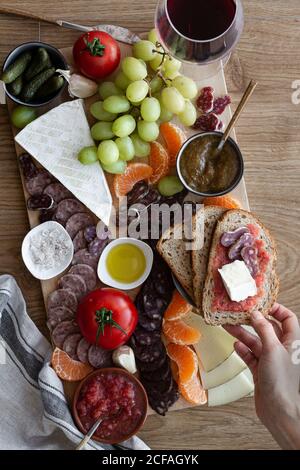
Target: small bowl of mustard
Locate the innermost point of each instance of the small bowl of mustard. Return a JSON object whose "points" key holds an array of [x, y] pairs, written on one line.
{"points": [[204, 171]]}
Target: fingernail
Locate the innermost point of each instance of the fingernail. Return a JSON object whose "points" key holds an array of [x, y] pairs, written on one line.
{"points": [[256, 315]]}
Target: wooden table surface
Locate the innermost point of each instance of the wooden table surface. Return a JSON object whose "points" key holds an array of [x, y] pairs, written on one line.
{"points": [[269, 136]]}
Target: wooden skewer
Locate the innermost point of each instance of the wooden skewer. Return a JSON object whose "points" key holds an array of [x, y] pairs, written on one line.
{"points": [[24, 14], [250, 89]]}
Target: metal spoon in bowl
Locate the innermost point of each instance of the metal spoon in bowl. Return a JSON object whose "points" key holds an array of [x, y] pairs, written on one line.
{"points": [[94, 428], [250, 89]]}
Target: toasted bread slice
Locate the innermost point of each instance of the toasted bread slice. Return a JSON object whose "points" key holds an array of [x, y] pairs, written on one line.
{"points": [[200, 256], [177, 256], [230, 221]]}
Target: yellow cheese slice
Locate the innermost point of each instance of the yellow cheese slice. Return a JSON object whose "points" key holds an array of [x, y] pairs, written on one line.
{"points": [[215, 344], [226, 371], [239, 387]]}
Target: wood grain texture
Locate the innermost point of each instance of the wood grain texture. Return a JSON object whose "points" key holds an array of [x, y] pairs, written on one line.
{"points": [[268, 134]]}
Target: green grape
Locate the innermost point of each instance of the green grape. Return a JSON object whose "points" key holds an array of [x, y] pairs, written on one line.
{"points": [[122, 81], [107, 89], [134, 69], [186, 86], [108, 152], [188, 115], [99, 113], [148, 131], [116, 104], [88, 155], [173, 100], [141, 148], [150, 109], [165, 114], [144, 50], [116, 168], [170, 185], [158, 60], [156, 84], [171, 67], [102, 131], [126, 148], [137, 91], [153, 36], [124, 126]]}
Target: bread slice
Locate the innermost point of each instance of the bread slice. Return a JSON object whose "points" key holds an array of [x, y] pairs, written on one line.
{"points": [[175, 253], [200, 256], [230, 221]]}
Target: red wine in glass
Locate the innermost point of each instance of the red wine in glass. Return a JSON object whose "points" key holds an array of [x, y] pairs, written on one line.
{"points": [[199, 31]]}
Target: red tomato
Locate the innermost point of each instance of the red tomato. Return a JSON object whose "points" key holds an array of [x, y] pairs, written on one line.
{"points": [[96, 54], [107, 317]]}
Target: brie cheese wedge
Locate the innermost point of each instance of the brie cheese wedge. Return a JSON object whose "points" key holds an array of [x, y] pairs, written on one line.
{"points": [[54, 140]]}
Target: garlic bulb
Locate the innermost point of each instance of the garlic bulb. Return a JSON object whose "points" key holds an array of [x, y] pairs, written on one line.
{"points": [[124, 357], [79, 86]]}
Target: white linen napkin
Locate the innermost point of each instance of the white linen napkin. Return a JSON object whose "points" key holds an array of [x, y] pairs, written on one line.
{"points": [[34, 412]]}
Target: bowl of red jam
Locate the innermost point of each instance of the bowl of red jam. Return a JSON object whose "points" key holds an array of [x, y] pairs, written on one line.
{"points": [[118, 397]]}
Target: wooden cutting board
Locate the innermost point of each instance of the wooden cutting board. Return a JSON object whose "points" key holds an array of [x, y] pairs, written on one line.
{"points": [[217, 81]]}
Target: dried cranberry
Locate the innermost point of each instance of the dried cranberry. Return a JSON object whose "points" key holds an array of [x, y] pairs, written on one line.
{"points": [[220, 104], [205, 101], [207, 123]]}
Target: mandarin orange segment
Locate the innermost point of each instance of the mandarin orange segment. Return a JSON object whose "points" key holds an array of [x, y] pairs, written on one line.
{"points": [[68, 369], [192, 391], [174, 138], [134, 173], [227, 202], [159, 161], [174, 370], [179, 332], [185, 359], [178, 309]]}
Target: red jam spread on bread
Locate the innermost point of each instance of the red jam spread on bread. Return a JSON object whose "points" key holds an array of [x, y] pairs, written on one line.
{"points": [[221, 300]]}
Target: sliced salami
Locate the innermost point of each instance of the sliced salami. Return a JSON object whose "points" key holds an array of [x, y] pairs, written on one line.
{"points": [[85, 257], [159, 389], [62, 297], [149, 353], [150, 324], [77, 222], [75, 283], [36, 185], [151, 366], [66, 208], [79, 241], [144, 337], [28, 166], [62, 330], [58, 314], [99, 357], [46, 215], [97, 246], [40, 202], [90, 233], [87, 273], [70, 345], [58, 192], [82, 350], [159, 374]]}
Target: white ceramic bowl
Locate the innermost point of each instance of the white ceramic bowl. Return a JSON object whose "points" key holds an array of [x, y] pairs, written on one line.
{"points": [[36, 270], [104, 275]]}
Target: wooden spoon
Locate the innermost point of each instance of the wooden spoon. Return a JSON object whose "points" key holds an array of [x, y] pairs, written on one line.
{"points": [[246, 96]]}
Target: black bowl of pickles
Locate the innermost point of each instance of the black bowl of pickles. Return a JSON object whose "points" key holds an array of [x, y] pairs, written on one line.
{"points": [[29, 74]]}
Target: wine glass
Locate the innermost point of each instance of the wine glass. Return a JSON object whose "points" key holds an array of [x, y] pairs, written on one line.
{"points": [[202, 32]]}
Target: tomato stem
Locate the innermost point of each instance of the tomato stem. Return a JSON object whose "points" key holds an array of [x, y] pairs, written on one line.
{"points": [[94, 47], [104, 317]]}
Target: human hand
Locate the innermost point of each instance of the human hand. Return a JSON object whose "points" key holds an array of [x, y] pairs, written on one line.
{"points": [[276, 377]]}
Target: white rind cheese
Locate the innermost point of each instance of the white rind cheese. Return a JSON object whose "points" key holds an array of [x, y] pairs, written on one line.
{"points": [[215, 344], [238, 281], [239, 387], [54, 140], [226, 371]]}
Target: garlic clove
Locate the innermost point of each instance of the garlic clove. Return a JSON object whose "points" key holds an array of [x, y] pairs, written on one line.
{"points": [[79, 86], [124, 357]]}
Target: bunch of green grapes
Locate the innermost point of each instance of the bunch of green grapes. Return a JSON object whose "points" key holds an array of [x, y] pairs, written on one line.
{"points": [[148, 90]]}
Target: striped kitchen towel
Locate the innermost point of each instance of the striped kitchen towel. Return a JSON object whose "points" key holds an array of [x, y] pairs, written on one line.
{"points": [[33, 407]]}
